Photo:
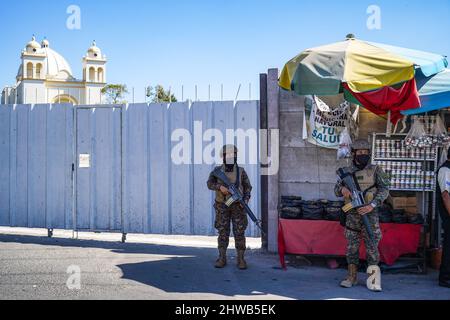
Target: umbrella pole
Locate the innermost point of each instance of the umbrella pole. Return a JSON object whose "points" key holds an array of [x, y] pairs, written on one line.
{"points": [[389, 125]]}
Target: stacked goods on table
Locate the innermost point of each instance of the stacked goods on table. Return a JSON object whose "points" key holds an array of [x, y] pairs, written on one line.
{"points": [[401, 210], [291, 207], [404, 210], [295, 208]]}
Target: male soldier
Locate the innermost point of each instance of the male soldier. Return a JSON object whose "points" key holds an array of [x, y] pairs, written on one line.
{"points": [[235, 214], [443, 205], [373, 180]]}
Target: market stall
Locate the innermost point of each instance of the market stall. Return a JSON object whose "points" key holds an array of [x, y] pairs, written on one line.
{"points": [[411, 89]]}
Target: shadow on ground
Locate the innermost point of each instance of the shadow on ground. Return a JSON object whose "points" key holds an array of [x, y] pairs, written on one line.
{"points": [[189, 270]]}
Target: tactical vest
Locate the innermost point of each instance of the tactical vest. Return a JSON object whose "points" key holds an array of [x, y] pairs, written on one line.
{"points": [[366, 180], [233, 178], [439, 202]]}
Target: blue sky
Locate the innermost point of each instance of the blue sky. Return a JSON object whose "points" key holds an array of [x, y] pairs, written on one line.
{"points": [[210, 42]]}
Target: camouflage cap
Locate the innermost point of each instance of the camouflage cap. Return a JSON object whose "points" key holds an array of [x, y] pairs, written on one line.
{"points": [[361, 145], [229, 150]]}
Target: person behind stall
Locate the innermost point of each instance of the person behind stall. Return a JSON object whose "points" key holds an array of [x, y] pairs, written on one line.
{"points": [[375, 183], [443, 205]]}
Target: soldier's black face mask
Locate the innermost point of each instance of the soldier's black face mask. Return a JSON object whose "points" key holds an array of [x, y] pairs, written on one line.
{"points": [[361, 161], [229, 167]]}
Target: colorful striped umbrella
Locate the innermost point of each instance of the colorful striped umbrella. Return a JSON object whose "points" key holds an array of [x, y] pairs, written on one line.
{"points": [[434, 93], [379, 77]]}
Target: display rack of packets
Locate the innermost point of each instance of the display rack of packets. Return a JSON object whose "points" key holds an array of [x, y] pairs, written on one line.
{"points": [[396, 149], [408, 175]]}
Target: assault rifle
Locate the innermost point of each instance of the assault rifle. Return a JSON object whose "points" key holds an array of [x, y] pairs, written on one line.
{"points": [[358, 198], [236, 197]]}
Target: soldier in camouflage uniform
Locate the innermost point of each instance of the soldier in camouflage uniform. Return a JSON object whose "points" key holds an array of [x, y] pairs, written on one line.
{"points": [[373, 179], [234, 214]]}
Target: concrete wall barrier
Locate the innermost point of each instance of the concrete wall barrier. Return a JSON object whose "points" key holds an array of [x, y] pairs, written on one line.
{"points": [[132, 184]]}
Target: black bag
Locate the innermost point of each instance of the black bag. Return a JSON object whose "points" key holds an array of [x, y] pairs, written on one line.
{"points": [[291, 201], [416, 219], [291, 213], [313, 210], [343, 218], [333, 210], [399, 216], [385, 214]]}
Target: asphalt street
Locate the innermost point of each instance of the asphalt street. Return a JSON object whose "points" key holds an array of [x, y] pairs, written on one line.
{"points": [[33, 266]]}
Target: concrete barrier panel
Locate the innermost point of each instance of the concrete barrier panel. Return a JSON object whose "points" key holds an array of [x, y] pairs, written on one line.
{"points": [[20, 216], [248, 121], [136, 170], [37, 166], [84, 193], [59, 159], [203, 213], [159, 164], [181, 184], [5, 152]]}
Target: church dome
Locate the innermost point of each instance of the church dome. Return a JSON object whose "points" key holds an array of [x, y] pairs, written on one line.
{"points": [[94, 51], [33, 46], [45, 43], [56, 66]]}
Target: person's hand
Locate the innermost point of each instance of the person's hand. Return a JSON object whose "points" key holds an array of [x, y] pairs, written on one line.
{"points": [[346, 193], [224, 191], [365, 210]]}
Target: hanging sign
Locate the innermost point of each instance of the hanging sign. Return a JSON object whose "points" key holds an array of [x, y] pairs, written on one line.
{"points": [[325, 124]]}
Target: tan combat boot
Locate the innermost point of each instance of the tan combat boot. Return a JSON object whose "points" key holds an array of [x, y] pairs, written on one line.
{"points": [[222, 261], [352, 278], [242, 264]]}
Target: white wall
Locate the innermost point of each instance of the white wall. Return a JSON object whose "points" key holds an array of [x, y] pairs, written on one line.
{"points": [[131, 169]]}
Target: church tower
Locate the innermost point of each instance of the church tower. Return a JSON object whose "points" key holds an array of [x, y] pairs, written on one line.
{"points": [[32, 74], [94, 74]]}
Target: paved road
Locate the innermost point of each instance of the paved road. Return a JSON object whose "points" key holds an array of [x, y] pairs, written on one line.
{"points": [[157, 267]]}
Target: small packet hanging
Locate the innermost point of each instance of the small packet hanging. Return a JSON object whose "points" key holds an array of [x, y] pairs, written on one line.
{"points": [[417, 137], [344, 150], [439, 132]]}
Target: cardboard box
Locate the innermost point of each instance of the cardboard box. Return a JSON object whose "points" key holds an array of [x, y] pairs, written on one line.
{"points": [[411, 211], [399, 203], [411, 201]]}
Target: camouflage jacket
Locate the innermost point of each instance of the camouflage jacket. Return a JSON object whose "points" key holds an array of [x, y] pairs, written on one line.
{"points": [[245, 186], [381, 183]]}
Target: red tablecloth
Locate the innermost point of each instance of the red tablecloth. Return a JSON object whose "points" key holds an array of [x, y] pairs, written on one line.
{"points": [[305, 237]]}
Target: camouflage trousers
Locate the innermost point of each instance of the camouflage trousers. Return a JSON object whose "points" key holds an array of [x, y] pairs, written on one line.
{"points": [[355, 231], [236, 216]]}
